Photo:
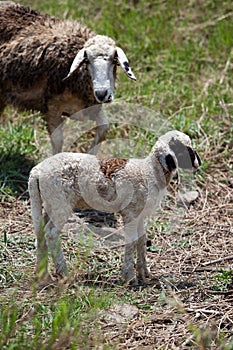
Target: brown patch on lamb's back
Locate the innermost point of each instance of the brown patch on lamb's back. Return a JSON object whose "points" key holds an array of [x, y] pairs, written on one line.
{"points": [[111, 165]]}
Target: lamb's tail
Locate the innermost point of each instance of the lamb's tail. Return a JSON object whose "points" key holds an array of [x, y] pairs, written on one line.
{"points": [[35, 200]]}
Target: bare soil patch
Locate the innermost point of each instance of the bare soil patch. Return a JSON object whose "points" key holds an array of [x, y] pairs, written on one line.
{"points": [[189, 300]]}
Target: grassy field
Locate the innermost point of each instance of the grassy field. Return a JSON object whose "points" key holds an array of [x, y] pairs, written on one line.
{"points": [[182, 55]]}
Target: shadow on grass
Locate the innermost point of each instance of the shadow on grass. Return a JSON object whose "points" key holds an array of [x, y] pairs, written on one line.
{"points": [[14, 172]]}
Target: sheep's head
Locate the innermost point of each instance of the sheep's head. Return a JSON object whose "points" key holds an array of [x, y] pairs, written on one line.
{"points": [[101, 55], [181, 151]]}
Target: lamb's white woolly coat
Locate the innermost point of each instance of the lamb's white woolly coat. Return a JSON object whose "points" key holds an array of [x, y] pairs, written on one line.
{"points": [[131, 187]]}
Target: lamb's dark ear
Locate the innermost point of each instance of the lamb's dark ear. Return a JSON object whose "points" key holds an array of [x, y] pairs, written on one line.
{"points": [[198, 158], [170, 162]]}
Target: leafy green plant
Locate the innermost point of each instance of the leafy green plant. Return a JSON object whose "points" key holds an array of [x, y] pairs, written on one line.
{"points": [[222, 280]]}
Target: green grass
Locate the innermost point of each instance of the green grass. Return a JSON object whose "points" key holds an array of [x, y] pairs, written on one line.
{"points": [[19, 151], [181, 53], [67, 321], [223, 280]]}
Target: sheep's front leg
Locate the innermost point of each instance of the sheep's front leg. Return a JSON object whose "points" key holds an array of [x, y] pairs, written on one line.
{"points": [[57, 139], [141, 266], [54, 245], [54, 126], [128, 268], [101, 131]]}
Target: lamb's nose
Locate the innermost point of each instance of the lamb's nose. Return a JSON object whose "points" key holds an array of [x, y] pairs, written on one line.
{"points": [[101, 95]]}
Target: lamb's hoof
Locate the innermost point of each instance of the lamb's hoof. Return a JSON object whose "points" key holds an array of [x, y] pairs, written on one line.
{"points": [[144, 275], [42, 275], [61, 274], [144, 280], [61, 271], [45, 283], [130, 278], [131, 283]]}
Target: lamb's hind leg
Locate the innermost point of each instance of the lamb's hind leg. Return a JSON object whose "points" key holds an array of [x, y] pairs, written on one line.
{"points": [[141, 266], [41, 253], [54, 245]]}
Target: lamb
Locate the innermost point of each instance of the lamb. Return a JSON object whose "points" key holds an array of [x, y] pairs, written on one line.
{"points": [[131, 187], [57, 67]]}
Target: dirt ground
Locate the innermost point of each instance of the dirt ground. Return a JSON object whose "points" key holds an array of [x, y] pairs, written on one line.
{"points": [[188, 302]]}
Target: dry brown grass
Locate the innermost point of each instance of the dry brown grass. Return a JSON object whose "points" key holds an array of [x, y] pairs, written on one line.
{"points": [[186, 304]]}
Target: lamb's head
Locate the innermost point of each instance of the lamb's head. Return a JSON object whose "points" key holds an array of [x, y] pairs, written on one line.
{"points": [[101, 55], [181, 152]]}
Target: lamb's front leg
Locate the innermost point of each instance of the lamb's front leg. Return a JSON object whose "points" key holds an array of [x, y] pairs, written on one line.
{"points": [[128, 268], [141, 266], [54, 245]]}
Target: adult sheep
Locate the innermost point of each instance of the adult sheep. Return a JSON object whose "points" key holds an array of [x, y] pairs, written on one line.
{"points": [[57, 67]]}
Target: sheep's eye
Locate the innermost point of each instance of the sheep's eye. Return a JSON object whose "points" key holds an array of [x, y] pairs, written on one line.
{"points": [[85, 58]]}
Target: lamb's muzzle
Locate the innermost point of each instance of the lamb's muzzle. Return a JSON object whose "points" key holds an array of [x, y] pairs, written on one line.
{"points": [[132, 187]]}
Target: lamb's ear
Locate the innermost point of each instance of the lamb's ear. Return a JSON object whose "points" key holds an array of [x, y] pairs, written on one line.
{"points": [[124, 63], [170, 162], [198, 158], [79, 59]]}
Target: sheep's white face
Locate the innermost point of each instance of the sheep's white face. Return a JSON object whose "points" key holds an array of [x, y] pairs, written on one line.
{"points": [[101, 69], [101, 56]]}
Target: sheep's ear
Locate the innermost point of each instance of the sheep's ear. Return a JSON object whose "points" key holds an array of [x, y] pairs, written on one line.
{"points": [[170, 163], [79, 59], [124, 63]]}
